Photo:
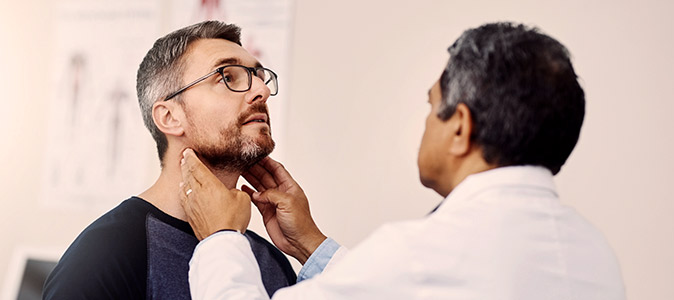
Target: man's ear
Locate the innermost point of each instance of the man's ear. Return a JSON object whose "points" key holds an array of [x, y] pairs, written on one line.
{"points": [[168, 116], [461, 126]]}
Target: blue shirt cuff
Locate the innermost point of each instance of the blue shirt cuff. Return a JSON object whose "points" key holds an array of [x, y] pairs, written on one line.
{"points": [[318, 260]]}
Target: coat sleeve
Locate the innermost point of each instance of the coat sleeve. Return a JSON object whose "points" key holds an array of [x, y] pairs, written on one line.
{"points": [[223, 267]]}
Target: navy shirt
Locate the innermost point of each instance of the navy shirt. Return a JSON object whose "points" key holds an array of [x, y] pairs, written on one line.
{"points": [[136, 251]]}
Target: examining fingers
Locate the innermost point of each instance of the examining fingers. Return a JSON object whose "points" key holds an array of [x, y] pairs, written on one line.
{"points": [[248, 190], [278, 171], [208, 204], [185, 189], [183, 195], [273, 166], [187, 171], [191, 166], [253, 181], [263, 176]]}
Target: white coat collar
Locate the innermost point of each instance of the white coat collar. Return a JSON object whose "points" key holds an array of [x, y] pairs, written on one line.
{"points": [[516, 176]]}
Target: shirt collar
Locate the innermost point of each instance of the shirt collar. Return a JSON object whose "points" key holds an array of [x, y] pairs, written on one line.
{"points": [[520, 176]]}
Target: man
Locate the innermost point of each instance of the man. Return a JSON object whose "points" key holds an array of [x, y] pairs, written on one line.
{"points": [[505, 115], [198, 88]]}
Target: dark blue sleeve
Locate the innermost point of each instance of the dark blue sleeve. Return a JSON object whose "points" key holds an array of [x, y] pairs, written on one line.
{"points": [[104, 262]]}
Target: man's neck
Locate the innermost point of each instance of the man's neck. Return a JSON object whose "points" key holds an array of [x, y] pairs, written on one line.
{"points": [[164, 193]]}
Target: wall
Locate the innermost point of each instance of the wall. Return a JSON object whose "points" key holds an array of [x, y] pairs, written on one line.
{"points": [[357, 100]]}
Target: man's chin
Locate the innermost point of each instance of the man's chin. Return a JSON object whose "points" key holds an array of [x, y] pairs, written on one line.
{"points": [[264, 149], [267, 147], [263, 146], [265, 142]]}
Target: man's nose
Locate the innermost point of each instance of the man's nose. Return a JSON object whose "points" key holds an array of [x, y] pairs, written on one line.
{"points": [[258, 91]]}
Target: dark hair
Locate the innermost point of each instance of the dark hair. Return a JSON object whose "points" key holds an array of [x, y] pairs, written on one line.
{"points": [[522, 92], [161, 71]]}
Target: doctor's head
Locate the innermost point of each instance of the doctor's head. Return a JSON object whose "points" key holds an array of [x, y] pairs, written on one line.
{"points": [[508, 96]]}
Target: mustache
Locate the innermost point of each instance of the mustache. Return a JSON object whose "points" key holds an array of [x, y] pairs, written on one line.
{"points": [[258, 107]]}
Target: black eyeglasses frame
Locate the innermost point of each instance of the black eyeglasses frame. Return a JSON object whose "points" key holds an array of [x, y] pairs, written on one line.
{"points": [[220, 70]]}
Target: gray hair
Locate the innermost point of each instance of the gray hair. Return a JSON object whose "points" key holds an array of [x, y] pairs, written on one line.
{"points": [[161, 71], [522, 92]]}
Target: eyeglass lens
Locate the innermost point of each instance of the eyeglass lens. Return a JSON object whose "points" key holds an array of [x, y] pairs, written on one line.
{"points": [[238, 78]]}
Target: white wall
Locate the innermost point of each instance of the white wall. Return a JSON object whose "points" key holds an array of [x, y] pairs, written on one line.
{"points": [[361, 70]]}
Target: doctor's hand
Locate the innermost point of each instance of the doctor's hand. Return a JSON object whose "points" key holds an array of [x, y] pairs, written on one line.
{"points": [[210, 206], [284, 208]]}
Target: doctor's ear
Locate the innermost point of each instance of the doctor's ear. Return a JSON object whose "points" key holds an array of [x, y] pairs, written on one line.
{"points": [[461, 124], [168, 116]]}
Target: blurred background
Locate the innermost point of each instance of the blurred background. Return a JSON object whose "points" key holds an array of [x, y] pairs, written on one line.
{"points": [[348, 122]]}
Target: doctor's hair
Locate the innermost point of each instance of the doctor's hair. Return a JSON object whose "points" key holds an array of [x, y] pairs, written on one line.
{"points": [[523, 94], [161, 71]]}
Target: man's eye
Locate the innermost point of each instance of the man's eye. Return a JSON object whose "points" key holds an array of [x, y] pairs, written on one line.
{"points": [[227, 78]]}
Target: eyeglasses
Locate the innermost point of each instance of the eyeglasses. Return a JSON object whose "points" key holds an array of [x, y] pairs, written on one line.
{"points": [[238, 78]]}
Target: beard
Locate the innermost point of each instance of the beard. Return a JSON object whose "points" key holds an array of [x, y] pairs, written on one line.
{"points": [[235, 151]]}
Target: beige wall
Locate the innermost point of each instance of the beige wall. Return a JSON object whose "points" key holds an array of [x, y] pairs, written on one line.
{"points": [[361, 70]]}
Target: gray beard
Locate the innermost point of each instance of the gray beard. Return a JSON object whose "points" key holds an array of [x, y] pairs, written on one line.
{"points": [[240, 153], [235, 152]]}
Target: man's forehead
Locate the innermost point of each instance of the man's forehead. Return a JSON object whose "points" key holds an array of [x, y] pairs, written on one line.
{"points": [[208, 54]]}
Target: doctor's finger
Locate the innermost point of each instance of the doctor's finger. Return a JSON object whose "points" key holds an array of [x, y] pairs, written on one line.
{"points": [[254, 181], [265, 178]]}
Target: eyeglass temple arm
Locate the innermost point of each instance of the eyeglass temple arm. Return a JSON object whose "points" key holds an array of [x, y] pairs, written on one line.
{"points": [[202, 78]]}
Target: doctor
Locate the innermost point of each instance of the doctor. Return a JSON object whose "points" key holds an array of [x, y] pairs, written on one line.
{"points": [[504, 116]]}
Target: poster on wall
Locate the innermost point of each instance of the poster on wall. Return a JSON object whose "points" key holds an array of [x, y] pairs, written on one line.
{"points": [[266, 32], [97, 147]]}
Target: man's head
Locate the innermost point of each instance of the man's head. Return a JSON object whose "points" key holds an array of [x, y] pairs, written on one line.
{"points": [[188, 99], [519, 91]]}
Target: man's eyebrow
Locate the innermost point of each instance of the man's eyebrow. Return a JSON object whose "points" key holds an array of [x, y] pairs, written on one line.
{"points": [[232, 61], [227, 61]]}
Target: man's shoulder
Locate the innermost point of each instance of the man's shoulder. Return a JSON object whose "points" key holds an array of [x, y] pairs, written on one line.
{"points": [[123, 225], [109, 256], [129, 210]]}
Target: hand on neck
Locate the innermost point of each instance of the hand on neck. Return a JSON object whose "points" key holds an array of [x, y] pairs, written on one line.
{"points": [[164, 192]]}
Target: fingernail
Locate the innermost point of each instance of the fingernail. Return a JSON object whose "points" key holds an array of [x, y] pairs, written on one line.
{"points": [[182, 161], [181, 184]]}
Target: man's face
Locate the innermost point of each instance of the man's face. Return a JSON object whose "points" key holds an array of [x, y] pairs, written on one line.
{"points": [[229, 130], [433, 144]]}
